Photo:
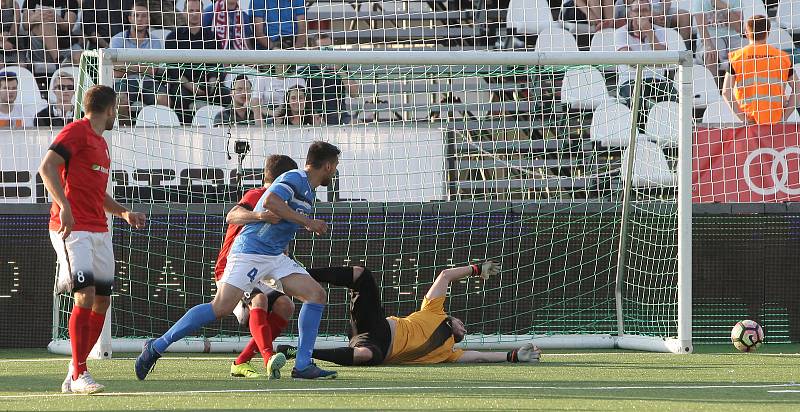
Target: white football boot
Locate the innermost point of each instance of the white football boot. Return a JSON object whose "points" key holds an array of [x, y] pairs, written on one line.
{"points": [[85, 384]]}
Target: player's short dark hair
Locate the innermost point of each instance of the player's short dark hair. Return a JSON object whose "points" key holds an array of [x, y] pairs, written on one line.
{"points": [[757, 28], [277, 165], [98, 99], [320, 153]]}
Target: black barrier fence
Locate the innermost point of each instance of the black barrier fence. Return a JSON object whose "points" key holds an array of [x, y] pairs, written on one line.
{"points": [[745, 265]]}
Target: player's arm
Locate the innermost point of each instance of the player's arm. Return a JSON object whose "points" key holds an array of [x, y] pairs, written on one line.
{"points": [[240, 215], [277, 205], [49, 169], [447, 276], [528, 353], [134, 219]]}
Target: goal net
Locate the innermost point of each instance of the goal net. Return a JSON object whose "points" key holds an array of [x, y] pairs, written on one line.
{"points": [[527, 159]]}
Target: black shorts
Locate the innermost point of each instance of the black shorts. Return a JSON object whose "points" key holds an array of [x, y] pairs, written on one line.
{"points": [[271, 294]]}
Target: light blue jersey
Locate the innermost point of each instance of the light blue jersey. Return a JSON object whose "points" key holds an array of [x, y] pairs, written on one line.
{"points": [[261, 238]]}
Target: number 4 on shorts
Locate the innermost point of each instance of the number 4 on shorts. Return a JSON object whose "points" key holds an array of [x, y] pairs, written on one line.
{"points": [[252, 274]]}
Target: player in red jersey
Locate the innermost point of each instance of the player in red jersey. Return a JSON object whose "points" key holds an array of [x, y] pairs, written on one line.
{"points": [[264, 307], [75, 172]]}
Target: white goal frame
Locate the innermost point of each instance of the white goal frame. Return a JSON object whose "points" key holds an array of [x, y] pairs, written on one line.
{"points": [[682, 343]]}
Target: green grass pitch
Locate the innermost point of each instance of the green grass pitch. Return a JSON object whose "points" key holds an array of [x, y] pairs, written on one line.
{"points": [[714, 378]]}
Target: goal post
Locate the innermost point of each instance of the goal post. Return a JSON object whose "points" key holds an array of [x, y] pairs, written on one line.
{"points": [[609, 268]]}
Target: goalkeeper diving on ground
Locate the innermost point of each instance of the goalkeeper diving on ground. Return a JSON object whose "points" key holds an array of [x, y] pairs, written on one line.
{"points": [[426, 336]]}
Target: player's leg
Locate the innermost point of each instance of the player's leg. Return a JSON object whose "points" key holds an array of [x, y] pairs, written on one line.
{"points": [[270, 311], [103, 266], [76, 253], [296, 282], [240, 275]]}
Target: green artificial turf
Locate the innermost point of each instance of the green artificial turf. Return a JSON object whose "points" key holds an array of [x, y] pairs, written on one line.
{"points": [[714, 378]]}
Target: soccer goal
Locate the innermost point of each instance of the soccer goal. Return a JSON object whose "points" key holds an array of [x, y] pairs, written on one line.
{"points": [[537, 160]]}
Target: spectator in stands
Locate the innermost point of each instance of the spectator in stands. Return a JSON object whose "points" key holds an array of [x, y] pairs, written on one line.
{"points": [[719, 27], [597, 14], [279, 24], [327, 90], [101, 20], [231, 24], [50, 24], [754, 86], [665, 14], [639, 34], [190, 85], [15, 52], [13, 115], [61, 99], [245, 107], [135, 83], [296, 110]]}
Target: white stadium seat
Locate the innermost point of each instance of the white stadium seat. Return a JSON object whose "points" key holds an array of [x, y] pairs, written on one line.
{"points": [[28, 92], [584, 88], [650, 167], [235, 71], [603, 41], [752, 8], [529, 16], [556, 40], [780, 39], [157, 115], [204, 116], [611, 125], [662, 124], [720, 113], [706, 90], [788, 15]]}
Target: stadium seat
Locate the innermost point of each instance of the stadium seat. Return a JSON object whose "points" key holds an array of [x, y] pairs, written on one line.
{"points": [[400, 7], [751, 8], [674, 40], [603, 41], [529, 16], [235, 71], [720, 113], [160, 34], [70, 71], [584, 88], [157, 115], [611, 125], [204, 117], [662, 125], [793, 118], [780, 38], [471, 90], [650, 167], [706, 90], [28, 92], [271, 90], [556, 40], [788, 15]]}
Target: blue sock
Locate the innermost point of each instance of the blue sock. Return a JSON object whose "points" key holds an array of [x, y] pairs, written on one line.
{"points": [[307, 328], [194, 319]]}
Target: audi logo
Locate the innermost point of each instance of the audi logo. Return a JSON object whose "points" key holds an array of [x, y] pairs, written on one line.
{"points": [[779, 172]]}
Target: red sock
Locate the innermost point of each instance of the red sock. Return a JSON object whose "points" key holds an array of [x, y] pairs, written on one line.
{"points": [[96, 321], [277, 324], [78, 336], [261, 331], [249, 351]]}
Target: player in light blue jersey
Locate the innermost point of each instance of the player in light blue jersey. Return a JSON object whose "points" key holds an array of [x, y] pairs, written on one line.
{"points": [[257, 254]]}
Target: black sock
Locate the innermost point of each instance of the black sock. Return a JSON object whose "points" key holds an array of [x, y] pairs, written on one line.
{"points": [[339, 356], [338, 276]]}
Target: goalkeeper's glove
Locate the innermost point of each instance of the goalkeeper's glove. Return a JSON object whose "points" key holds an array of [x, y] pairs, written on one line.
{"points": [[527, 353], [486, 269]]}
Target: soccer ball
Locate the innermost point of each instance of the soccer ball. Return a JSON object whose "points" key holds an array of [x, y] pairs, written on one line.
{"points": [[747, 335]]}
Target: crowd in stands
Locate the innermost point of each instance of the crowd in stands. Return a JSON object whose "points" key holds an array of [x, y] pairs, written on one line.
{"points": [[44, 36]]}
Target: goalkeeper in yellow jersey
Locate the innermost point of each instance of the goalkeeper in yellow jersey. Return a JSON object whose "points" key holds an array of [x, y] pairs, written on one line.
{"points": [[425, 336]]}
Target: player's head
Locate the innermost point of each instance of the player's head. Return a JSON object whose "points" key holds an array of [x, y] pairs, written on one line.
{"points": [[101, 102], [323, 157], [8, 87], [277, 165], [457, 327], [757, 28]]}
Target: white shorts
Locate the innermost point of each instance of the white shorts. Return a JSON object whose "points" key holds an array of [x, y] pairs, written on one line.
{"points": [[245, 271], [84, 259]]}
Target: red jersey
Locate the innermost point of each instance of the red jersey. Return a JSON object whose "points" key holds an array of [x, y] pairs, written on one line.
{"points": [[249, 201], [84, 176]]}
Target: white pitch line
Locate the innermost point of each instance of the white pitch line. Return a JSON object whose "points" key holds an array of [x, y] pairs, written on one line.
{"points": [[401, 388], [785, 391]]}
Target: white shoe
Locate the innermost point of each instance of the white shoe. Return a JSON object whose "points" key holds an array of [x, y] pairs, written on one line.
{"points": [[66, 386], [85, 384], [242, 313]]}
